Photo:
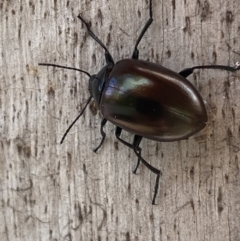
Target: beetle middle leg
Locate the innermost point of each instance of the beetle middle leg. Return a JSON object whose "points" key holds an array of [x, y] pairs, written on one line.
{"points": [[145, 28], [118, 133]]}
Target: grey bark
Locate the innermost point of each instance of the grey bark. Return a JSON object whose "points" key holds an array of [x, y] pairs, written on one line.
{"points": [[50, 191]]}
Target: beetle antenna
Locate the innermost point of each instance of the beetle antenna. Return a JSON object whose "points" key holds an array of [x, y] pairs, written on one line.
{"points": [[64, 67], [69, 128]]}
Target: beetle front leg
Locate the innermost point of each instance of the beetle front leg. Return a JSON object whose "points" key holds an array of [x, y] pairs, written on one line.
{"points": [[118, 133], [103, 134], [108, 56], [136, 143]]}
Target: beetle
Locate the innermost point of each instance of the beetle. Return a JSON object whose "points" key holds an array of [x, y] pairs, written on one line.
{"points": [[145, 99]]}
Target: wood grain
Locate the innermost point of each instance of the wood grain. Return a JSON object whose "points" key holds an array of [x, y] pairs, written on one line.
{"points": [[59, 192]]}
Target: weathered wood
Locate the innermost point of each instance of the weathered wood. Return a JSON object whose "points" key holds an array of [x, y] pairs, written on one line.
{"points": [[50, 191]]}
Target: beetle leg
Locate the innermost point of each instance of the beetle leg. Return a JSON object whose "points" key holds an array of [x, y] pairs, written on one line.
{"points": [[136, 143], [108, 56], [103, 134], [146, 26], [138, 163], [186, 72], [137, 150], [118, 133]]}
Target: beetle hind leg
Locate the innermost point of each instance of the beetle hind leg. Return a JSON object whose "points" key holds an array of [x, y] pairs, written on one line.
{"points": [[103, 134], [186, 72]]}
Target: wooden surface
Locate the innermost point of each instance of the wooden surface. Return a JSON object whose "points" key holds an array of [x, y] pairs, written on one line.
{"points": [[59, 192]]}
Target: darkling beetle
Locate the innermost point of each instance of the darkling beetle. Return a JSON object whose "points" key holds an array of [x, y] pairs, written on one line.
{"points": [[135, 95]]}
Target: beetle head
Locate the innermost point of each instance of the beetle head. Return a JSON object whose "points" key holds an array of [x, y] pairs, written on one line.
{"points": [[96, 83]]}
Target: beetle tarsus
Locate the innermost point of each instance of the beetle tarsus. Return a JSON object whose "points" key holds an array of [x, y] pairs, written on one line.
{"points": [[145, 28], [135, 169], [103, 134], [139, 159], [156, 187]]}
